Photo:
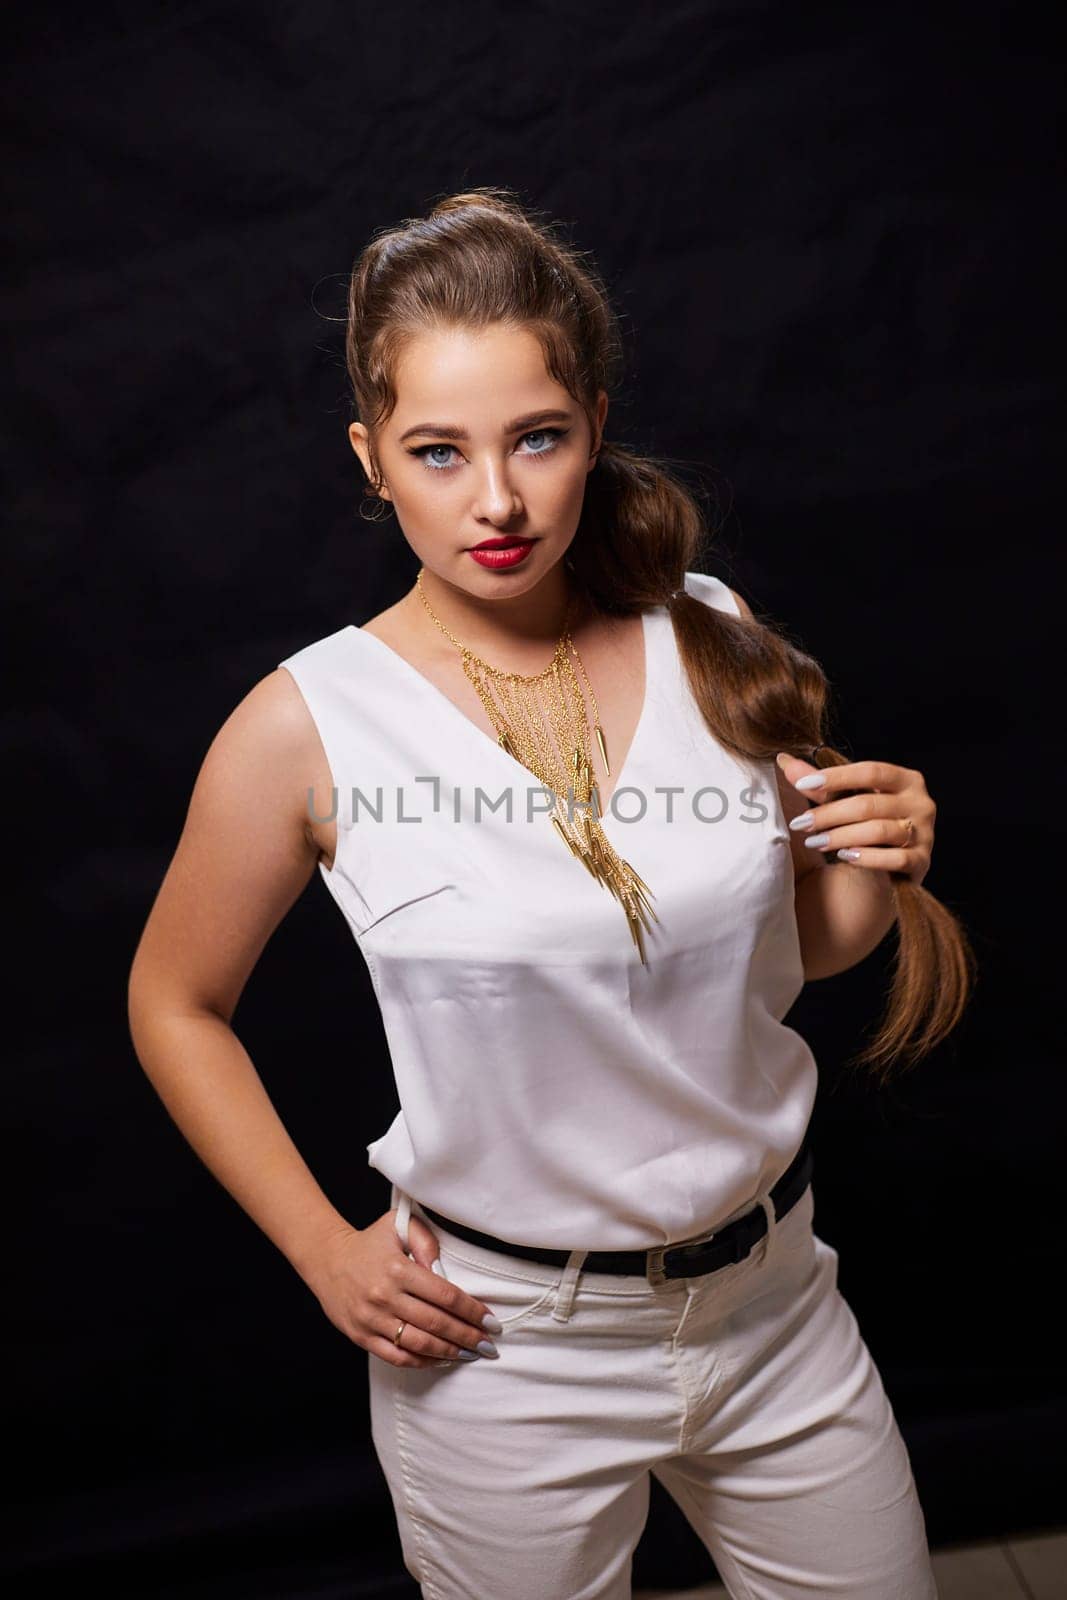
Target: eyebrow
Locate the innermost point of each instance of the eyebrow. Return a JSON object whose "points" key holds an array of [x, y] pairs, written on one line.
{"points": [[442, 431]]}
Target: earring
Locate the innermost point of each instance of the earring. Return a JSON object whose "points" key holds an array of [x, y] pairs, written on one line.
{"points": [[381, 509]]}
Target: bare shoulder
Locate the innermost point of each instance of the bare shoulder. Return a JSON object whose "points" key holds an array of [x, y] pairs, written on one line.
{"points": [[270, 730], [256, 774], [273, 730], [243, 856]]}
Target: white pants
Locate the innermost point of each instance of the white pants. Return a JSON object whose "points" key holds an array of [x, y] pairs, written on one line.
{"points": [[748, 1392]]}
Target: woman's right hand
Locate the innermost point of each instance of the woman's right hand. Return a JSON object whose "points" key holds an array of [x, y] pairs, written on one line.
{"points": [[367, 1286]]}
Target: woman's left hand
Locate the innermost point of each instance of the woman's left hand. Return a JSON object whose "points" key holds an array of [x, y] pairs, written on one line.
{"points": [[890, 828]]}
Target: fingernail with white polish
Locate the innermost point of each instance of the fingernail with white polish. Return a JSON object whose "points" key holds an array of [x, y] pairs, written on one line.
{"points": [[816, 840], [812, 781], [437, 1268], [490, 1323], [803, 821]]}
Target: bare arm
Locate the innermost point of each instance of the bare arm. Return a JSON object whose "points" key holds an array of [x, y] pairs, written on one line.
{"points": [[841, 915], [244, 856]]}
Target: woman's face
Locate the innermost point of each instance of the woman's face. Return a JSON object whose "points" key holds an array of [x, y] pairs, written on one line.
{"points": [[483, 443]]}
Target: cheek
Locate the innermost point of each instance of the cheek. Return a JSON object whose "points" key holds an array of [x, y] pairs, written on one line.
{"points": [[560, 499], [425, 510]]}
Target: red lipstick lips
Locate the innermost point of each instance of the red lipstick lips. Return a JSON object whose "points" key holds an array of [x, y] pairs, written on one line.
{"points": [[504, 551]]}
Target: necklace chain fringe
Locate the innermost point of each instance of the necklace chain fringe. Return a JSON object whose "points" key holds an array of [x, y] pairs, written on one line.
{"points": [[548, 733]]}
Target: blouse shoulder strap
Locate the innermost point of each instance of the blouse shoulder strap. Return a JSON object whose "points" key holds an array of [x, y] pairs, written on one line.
{"points": [[713, 592]]}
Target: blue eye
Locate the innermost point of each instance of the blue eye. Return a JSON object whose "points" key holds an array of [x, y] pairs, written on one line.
{"points": [[552, 435], [424, 453]]}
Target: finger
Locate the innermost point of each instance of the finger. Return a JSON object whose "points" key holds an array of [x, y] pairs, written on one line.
{"points": [[419, 1340], [856, 808], [882, 858], [888, 831], [395, 1355], [422, 1242], [794, 767], [795, 771], [435, 1288], [881, 775], [790, 763], [434, 1321]]}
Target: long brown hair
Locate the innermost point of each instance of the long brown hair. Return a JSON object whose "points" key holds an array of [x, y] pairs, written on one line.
{"points": [[481, 257]]}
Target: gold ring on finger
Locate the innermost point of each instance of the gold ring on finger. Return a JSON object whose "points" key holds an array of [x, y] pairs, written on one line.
{"points": [[399, 1331], [911, 829]]}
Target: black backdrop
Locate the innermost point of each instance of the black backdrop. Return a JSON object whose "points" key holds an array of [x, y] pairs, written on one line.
{"points": [[829, 231]]}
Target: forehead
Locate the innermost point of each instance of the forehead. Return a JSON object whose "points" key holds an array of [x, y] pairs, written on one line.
{"points": [[476, 372]]}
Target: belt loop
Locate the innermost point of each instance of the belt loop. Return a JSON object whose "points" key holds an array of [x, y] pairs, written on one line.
{"points": [[567, 1285], [772, 1226], [403, 1216], [654, 1267]]}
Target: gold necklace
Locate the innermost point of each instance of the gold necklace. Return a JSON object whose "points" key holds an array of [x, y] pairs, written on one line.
{"points": [[560, 759]]}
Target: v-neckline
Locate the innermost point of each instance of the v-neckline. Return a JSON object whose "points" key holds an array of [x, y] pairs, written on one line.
{"points": [[648, 640]]}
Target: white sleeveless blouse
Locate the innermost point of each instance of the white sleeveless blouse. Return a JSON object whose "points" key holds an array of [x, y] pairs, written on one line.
{"points": [[553, 1090]]}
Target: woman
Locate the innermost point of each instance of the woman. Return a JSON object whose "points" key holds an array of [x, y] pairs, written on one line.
{"points": [[543, 789]]}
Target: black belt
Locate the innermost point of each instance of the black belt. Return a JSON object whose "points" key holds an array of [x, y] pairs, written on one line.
{"points": [[724, 1248]]}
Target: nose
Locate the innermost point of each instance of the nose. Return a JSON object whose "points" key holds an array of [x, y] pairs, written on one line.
{"points": [[496, 500]]}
